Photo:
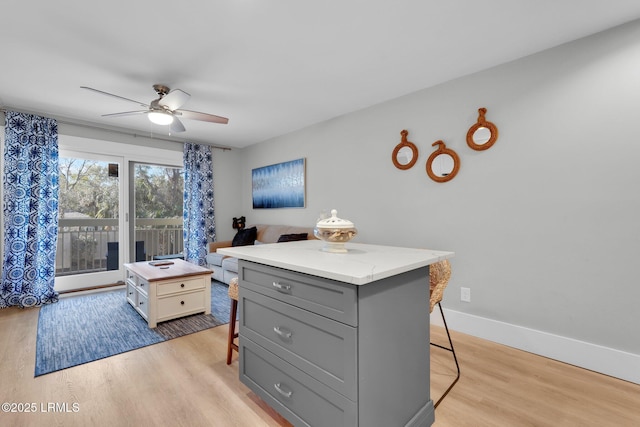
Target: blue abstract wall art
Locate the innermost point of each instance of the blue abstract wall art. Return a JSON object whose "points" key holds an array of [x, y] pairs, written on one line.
{"points": [[279, 186]]}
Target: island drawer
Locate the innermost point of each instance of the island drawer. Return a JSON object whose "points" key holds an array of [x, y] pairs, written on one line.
{"points": [[326, 297], [186, 284], [323, 348], [298, 397]]}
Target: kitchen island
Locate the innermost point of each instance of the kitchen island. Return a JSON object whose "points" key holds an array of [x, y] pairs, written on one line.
{"points": [[332, 339]]}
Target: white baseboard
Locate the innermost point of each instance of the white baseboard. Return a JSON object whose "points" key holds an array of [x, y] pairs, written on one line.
{"points": [[91, 291], [604, 360]]}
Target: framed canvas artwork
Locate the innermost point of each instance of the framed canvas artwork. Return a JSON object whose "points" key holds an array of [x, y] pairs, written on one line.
{"points": [[279, 186]]}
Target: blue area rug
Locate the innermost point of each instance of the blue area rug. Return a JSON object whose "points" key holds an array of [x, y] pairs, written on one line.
{"points": [[81, 329]]}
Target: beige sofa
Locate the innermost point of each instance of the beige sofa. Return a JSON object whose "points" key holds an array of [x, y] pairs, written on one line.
{"points": [[225, 268]]}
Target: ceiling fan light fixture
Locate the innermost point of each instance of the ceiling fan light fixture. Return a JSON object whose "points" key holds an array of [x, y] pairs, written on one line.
{"points": [[160, 118]]}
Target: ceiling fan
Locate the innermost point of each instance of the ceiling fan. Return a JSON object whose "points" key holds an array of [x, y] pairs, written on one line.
{"points": [[165, 110]]}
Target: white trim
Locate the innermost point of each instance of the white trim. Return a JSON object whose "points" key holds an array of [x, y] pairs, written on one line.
{"points": [[594, 357], [127, 151], [91, 291]]}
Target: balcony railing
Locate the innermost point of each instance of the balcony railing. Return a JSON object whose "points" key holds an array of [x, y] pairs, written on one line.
{"points": [[83, 244]]}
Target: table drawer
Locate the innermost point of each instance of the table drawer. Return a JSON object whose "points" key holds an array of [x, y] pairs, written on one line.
{"points": [[131, 277], [143, 304], [186, 284], [132, 293], [323, 348], [180, 305], [326, 297], [142, 285], [295, 395]]}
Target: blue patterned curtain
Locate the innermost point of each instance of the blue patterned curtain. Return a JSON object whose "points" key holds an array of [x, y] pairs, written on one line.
{"points": [[199, 222], [30, 210]]}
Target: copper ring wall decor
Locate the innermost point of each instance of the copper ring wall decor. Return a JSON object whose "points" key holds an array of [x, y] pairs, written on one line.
{"points": [[443, 164], [405, 154], [483, 134]]}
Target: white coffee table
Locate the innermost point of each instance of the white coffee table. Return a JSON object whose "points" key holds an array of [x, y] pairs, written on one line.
{"points": [[168, 290]]}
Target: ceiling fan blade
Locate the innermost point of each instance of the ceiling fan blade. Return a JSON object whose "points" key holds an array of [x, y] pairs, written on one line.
{"points": [[142, 104], [174, 99], [194, 115], [176, 125], [126, 113]]}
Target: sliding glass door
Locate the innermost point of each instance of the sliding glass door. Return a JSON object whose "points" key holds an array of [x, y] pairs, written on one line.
{"points": [[91, 222], [113, 209], [157, 192]]}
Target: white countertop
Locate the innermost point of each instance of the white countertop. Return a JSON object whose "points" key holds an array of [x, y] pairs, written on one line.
{"points": [[361, 264]]}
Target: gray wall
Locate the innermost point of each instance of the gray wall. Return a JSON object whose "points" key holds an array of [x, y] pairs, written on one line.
{"points": [[544, 224], [227, 191]]}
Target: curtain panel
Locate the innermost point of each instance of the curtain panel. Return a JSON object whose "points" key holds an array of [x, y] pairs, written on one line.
{"points": [[198, 214], [30, 184]]}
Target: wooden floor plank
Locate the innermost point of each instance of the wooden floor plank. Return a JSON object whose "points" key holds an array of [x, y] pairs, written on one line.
{"points": [[186, 382], [503, 386]]}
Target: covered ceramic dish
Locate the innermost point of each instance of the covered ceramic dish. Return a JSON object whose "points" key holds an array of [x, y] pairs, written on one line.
{"points": [[335, 232]]}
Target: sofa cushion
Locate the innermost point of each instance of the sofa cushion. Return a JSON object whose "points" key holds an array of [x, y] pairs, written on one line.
{"points": [[228, 276], [294, 237], [230, 264], [217, 272], [245, 237], [268, 233], [214, 259]]}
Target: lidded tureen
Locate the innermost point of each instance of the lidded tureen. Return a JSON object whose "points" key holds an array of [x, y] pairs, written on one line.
{"points": [[335, 232]]}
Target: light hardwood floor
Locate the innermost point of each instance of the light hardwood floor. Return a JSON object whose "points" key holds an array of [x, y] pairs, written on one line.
{"points": [[186, 382]]}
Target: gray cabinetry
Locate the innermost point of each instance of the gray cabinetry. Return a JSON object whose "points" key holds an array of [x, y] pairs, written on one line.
{"points": [[327, 353]]}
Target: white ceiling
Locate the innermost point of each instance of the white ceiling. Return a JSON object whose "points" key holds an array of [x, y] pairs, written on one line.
{"points": [[270, 66]]}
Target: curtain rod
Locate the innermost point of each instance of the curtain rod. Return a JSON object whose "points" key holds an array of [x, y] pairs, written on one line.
{"points": [[121, 131]]}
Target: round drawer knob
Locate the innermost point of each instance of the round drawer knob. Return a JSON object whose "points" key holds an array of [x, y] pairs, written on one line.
{"points": [[181, 302], [182, 285]]}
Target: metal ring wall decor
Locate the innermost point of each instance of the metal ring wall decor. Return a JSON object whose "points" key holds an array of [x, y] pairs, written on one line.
{"points": [[483, 134]]}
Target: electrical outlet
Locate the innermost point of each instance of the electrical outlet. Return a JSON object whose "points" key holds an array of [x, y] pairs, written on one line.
{"points": [[465, 294]]}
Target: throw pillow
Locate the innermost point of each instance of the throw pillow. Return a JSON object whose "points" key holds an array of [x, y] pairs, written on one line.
{"points": [[245, 237], [292, 237]]}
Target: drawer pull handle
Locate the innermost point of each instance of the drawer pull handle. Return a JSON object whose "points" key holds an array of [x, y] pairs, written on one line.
{"points": [[283, 334], [279, 389], [182, 285], [141, 302], [181, 302], [281, 288]]}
